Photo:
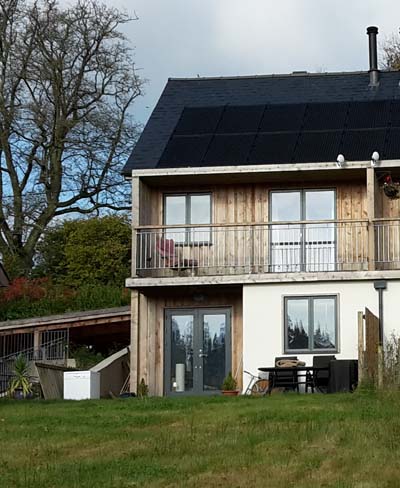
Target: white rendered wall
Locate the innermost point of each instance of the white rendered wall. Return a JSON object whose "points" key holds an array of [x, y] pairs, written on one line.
{"points": [[263, 326]]}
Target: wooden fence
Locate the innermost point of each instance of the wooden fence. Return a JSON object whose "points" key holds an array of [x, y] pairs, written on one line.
{"points": [[370, 361]]}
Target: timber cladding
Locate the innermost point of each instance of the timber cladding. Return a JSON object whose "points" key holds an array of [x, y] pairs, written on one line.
{"points": [[248, 203], [234, 250], [147, 353]]}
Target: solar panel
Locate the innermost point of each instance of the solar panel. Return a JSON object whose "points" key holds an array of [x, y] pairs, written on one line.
{"points": [[184, 151], [321, 116], [273, 148], [298, 133], [395, 114], [392, 148], [359, 145], [198, 120], [227, 150], [315, 147], [239, 119], [279, 118], [368, 114]]}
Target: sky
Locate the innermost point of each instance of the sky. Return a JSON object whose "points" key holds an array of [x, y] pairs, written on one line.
{"points": [[186, 38]]}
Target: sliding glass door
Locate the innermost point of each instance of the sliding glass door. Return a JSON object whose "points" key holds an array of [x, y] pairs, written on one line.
{"points": [[296, 245]]}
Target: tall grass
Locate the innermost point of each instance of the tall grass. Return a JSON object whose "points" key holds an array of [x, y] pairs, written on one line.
{"points": [[391, 362]]}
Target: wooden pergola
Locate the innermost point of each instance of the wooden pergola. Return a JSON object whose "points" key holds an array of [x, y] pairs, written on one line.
{"points": [[99, 328]]}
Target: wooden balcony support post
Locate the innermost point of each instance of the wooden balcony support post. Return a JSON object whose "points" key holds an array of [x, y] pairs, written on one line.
{"points": [[37, 336], [372, 189], [134, 359], [135, 222]]}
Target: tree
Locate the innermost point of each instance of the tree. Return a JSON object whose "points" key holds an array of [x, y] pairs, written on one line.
{"points": [[67, 83], [91, 251], [391, 53]]}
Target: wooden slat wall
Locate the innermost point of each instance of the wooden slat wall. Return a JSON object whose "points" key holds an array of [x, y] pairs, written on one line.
{"points": [[248, 203], [389, 208], [351, 204], [151, 329], [151, 205], [388, 236]]}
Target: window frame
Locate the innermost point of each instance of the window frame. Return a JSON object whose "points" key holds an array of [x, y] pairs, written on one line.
{"points": [[188, 241], [302, 192], [302, 243], [310, 299]]}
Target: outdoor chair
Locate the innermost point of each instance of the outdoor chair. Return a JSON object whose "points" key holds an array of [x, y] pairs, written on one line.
{"points": [[319, 380], [167, 251], [282, 378]]}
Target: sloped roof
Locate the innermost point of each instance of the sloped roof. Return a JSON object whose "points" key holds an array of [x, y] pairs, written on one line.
{"points": [[62, 320], [270, 96]]}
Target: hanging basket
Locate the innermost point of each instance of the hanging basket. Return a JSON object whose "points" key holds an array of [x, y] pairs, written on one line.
{"points": [[391, 188]]}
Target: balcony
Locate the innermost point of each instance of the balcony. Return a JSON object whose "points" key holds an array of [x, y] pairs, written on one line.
{"points": [[387, 243], [274, 247]]}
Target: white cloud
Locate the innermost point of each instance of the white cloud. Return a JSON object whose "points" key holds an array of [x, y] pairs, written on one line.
{"points": [[177, 38]]}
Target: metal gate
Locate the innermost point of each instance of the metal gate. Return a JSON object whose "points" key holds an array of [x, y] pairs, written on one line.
{"points": [[52, 346]]}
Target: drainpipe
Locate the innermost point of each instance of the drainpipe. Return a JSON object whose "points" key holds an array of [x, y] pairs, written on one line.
{"points": [[379, 287]]}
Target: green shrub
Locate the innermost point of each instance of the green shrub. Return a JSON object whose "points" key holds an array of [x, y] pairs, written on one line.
{"points": [[87, 251], [85, 357], [229, 383], [391, 362], [143, 389], [36, 298]]}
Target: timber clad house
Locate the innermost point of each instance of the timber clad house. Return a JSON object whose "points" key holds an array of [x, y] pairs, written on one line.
{"points": [[265, 209]]}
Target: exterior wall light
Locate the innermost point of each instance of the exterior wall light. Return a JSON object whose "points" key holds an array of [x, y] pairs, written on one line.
{"points": [[375, 159], [340, 161]]}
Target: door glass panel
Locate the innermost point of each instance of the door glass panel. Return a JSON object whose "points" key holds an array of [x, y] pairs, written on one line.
{"points": [[286, 239], [297, 320], [320, 205], [285, 206], [320, 247], [200, 213], [175, 213], [324, 323], [181, 353], [214, 367]]}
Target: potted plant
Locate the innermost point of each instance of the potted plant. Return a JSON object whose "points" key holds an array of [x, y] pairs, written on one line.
{"points": [[20, 386], [229, 386]]}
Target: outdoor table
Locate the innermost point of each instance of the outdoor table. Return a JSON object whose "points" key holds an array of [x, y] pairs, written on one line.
{"points": [[306, 372]]}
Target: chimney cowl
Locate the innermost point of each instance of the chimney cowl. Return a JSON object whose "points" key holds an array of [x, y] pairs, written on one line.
{"points": [[372, 32]]}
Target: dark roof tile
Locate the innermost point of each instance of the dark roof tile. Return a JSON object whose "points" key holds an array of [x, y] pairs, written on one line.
{"points": [[259, 90]]}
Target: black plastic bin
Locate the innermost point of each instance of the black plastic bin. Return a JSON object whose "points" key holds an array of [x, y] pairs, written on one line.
{"points": [[343, 375]]}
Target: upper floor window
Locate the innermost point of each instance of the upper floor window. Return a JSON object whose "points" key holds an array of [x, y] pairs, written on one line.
{"points": [[188, 209], [302, 246]]}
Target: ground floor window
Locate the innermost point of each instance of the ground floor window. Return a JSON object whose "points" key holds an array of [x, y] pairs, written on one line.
{"points": [[311, 324]]}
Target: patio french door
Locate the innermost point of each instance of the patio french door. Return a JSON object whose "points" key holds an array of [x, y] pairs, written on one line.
{"points": [[197, 350], [296, 247]]}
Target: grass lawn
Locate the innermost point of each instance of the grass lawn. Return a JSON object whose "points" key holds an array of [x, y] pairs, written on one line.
{"points": [[282, 441]]}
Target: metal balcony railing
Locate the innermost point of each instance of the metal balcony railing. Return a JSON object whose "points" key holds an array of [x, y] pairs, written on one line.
{"points": [[273, 247], [387, 243]]}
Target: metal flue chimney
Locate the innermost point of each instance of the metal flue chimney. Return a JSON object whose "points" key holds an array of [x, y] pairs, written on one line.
{"points": [[372, 32]]}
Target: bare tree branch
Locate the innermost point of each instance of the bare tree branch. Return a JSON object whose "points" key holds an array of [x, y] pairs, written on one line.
{"points": [[67, 87], [391, 53]]}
